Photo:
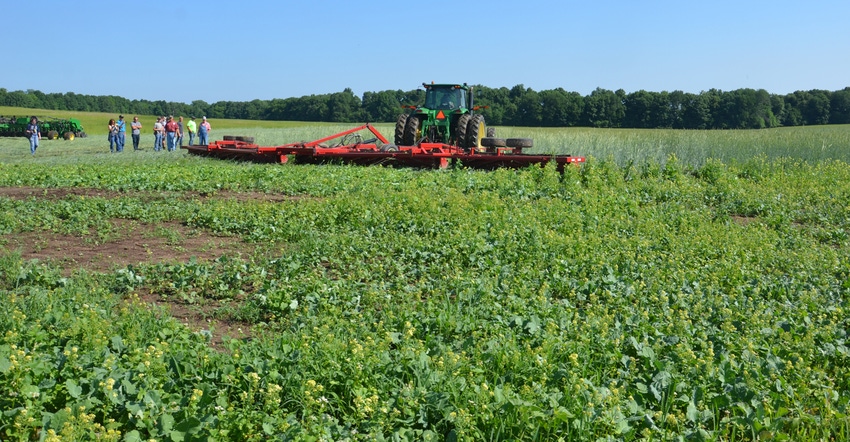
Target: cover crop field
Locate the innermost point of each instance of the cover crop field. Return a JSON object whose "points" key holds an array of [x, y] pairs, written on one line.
{"points": [[680, 285]]}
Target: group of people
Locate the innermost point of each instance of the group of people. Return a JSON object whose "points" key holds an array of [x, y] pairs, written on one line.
{"points": [[117, 133], [168, 133]]}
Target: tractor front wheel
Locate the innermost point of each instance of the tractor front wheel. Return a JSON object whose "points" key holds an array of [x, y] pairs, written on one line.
{"points": [[475, 131]]}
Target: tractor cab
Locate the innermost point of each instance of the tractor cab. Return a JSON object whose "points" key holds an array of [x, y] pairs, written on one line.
{"points": [[445, 97]]}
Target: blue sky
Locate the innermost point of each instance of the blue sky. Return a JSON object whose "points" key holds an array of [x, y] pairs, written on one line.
{"points": [[244, 50]]}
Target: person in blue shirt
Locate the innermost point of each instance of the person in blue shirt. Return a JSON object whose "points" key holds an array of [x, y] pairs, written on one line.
{"points": [[122, 133], [33, 134]]}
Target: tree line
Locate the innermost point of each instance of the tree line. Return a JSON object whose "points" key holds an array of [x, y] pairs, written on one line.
{"points": [[517, 106]]}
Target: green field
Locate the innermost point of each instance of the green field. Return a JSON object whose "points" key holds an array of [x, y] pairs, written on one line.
{"points": [[624, 146], [680, 285]]}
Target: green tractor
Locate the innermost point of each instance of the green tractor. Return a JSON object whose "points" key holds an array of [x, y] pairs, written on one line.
{"points": [[50, 128], [446, 117], [53, 128]]}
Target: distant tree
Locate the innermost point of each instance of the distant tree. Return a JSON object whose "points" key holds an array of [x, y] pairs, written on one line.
{"points": [[384, 106], [343, 107], [256, 109], [816, 108], [561, 108], [20, 99], [605, 108], [529, 108], [639, 109], [696, 113], [498, 102], [198, 108], [216, 110], [839, 107], [675, 108]]}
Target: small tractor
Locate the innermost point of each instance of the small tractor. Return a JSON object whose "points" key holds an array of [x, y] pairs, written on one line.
{"points": [[50, 128], [446, 117]]}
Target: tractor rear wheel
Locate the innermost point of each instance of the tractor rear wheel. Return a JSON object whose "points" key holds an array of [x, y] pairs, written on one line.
{"points": [[412, 132], [475, 131], [460, 130], [400, 124], [52, 135], [68, 136]]}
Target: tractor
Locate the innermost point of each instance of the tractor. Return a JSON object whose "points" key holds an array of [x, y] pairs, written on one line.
{"points": [[446, 117], [50, 128]]}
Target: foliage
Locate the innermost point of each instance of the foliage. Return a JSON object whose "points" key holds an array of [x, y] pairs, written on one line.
{"points": [[657, 300], [520, 106]]}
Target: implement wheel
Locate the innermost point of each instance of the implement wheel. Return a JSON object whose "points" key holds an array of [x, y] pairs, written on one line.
{"points": [[493, 142], [400, 124], [520, 142]]}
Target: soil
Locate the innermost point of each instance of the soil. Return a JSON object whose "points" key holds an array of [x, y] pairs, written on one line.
{"points": [[140, 243]]}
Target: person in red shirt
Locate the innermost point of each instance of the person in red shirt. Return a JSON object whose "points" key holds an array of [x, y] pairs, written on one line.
{"points": [[171, 129]]}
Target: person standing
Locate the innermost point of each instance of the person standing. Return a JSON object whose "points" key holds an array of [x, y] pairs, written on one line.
{"points": [[204, 132], [179, 140], [164, 120], [136, 127], [157, 134], [122, 134], [113, 134], [191, 127], [170, 133], [33, 134]]}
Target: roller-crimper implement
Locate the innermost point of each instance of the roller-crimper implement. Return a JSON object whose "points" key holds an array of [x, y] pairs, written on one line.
{"points": [[349, 146]]}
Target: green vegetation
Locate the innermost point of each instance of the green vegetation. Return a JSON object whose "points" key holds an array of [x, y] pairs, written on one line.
{"points": [[634, 298], [518, 106]]}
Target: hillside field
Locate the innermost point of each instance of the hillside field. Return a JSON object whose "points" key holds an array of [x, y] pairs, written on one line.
{"points": [[680, 285]]}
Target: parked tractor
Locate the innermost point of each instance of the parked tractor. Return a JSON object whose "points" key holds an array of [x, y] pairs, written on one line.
{"points": [[443, 131], [446, 117], [50, 128]]}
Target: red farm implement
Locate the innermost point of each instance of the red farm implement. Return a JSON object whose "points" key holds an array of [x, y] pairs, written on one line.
{"points": [[350, 147]]}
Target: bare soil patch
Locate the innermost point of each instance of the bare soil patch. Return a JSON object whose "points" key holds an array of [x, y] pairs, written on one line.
{"points": [[132, 243]]}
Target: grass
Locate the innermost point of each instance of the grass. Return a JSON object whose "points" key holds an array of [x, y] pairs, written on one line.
{"points": [[634, 298]]}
